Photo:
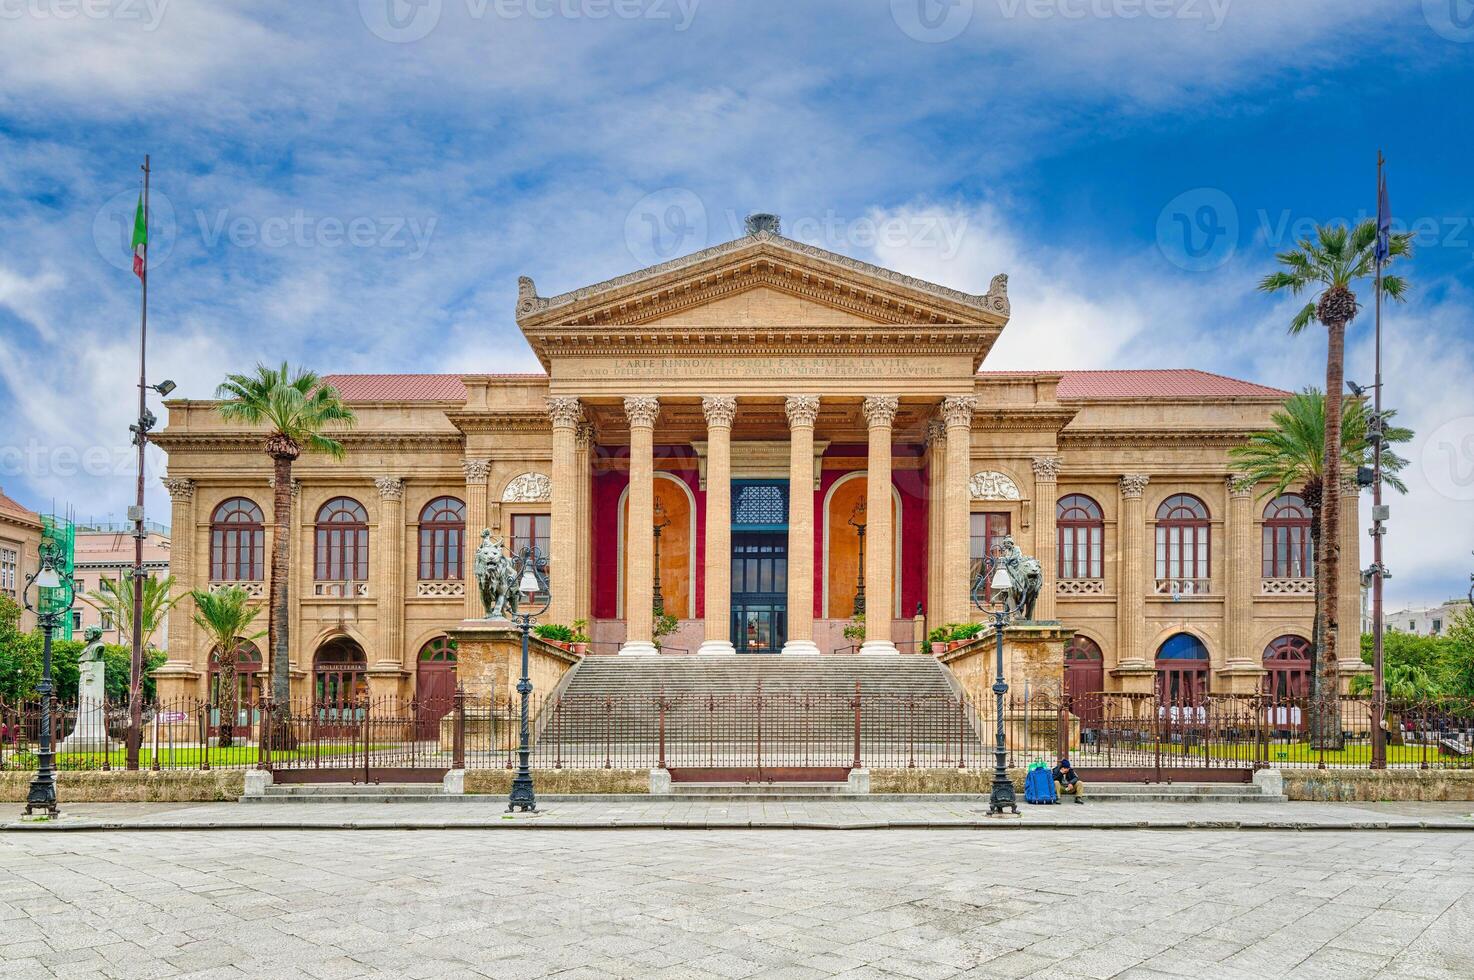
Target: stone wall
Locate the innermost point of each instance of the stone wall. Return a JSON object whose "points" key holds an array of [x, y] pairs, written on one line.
{"points": [[184, 786], [498, 782], [1368, 786]]}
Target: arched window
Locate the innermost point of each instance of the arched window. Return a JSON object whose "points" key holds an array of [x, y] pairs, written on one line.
{"points": [[342, 541], [441, 650], [1287, 668], [442, 540], [1287, 550], [1182, 670], [1081, 534], [237, 542], [1182, 546]]}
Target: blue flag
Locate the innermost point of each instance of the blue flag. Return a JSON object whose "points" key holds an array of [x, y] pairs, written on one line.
{"points": [[1384, 221]]}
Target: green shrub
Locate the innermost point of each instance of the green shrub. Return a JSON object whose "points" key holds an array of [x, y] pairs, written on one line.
{"points": [[554, 632]]}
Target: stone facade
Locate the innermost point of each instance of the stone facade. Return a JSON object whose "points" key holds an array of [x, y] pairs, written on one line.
{"points": [[20, 552], [766, 362]]}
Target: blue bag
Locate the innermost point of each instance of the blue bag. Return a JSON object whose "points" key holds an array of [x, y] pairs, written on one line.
{"points": [[1039, 786]]}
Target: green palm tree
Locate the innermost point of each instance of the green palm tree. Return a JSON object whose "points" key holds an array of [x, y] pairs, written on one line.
{"points": [[115, 597], [226, 617], [1335, 259], [298, 411]]}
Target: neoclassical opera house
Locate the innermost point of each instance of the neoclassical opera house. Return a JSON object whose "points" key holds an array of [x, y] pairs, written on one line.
{"points": [[746, 438]]}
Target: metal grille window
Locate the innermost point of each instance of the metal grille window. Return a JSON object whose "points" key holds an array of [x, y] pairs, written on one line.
{"points": [[342, 541], [1287, 550], [237, 542], [759, 505], [1182, 539], [1080, 534], [442, 540]]}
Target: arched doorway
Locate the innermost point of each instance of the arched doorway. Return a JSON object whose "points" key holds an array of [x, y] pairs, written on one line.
{"points": [[435, 686], [1287, 679], [237, 698], [1084, 679], [339, 685], [1182, 670]]}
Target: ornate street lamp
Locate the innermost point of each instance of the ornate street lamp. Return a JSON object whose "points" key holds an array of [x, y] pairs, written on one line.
{"points": [[1000, 606], [51, 610], [661, 523], [857, 521], [532, 582]]}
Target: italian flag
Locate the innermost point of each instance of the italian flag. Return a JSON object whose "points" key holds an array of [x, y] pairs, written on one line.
{"points": [[140, 239]]}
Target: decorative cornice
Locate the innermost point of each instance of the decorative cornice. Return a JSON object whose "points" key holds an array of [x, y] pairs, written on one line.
{"points": [[720, 411], [1046, 469], [360, 441], [528, 488], [477, 471], [1199, 438], [1133, 485], [179, 489], [992, 485], [880, 410], [957, 410], [566, 413], [802, 411], [642, 410], [501, 423], [390, 487]]}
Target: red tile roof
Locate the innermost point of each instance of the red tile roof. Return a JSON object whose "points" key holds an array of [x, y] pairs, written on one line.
{"points": [[1169, 383], [397, 387], [9, 506]]}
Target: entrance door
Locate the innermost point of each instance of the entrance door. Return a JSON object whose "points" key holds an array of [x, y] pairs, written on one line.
{"points": [[435, 686], [759, 591]]}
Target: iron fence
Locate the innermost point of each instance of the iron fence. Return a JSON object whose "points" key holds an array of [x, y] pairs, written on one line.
{"points": [[1135, 736]]}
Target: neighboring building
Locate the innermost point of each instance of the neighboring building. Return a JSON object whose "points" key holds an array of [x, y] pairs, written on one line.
{"points": [[105, 551], [745, 397], [20, 552], [1426, 620]]}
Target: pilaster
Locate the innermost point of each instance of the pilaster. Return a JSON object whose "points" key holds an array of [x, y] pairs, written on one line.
{"points": [[936, 519], [880, 415], [188, 574], [1046, 487], [1348, 643], [956, 501], [478, 472], [802, 411], [1131, 574], [583, 586], [388, 577]]}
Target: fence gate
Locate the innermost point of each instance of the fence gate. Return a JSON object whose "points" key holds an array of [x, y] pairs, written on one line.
{"points": [[368, 742]]}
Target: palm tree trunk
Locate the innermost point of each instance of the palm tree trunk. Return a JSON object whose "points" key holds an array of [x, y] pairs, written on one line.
{"points": [[1327, 713], [279, 639]]}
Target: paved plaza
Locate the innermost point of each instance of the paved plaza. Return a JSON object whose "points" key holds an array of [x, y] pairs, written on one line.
{"points": [[459, 903]]}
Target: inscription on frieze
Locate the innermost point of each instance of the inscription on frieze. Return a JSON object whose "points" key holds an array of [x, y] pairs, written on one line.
{"points": [[883, 366]]}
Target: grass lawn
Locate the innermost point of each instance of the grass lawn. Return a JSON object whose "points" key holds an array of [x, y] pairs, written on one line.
{"points": [[1301, 753], [237, 756]]}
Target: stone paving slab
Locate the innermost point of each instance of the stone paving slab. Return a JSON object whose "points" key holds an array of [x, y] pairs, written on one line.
{"points": [[738, 904], [671, 814]]}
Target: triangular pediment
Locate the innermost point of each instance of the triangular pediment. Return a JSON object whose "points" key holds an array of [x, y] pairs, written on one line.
{"points": [[760, 301]]}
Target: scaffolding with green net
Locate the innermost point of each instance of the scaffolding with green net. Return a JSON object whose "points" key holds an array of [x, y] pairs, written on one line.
{"points": [[59, 539]]}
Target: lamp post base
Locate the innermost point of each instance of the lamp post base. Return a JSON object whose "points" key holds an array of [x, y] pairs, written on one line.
{"points": [[1002, 798], [523, 798], [42, 795]]}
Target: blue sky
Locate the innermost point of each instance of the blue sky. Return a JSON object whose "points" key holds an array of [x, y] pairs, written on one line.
{"points": [[356, 185]]}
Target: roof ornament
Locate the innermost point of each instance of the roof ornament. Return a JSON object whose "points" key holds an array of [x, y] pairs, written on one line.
{"points": [[996, 297], [760, 223], [526, 294]]}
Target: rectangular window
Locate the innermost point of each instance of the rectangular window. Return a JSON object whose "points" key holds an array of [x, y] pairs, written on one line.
{"points": [[1437, 626], [988, 529], [440, 553], [533, 530], [1080, 549], [342, 554], [9, 564], [107, 621]]}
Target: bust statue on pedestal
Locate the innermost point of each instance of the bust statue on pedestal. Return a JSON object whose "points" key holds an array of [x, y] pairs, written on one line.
{"points": [[89, 732]]}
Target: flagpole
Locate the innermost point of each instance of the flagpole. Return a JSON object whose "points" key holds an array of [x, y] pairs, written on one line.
{"points": [[135, 673], [1379, 680]]}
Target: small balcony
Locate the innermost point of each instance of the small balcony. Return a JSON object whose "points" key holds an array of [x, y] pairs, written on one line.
{"points": [[1079, 586], [441, 589], [1287, 586]]}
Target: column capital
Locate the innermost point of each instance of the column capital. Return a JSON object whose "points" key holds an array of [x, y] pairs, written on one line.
{"points": [[566, 413], [477, 470], [957, 410], [1133, 485], [1046, 469], [1239, 485], [720, 410], [179, 489], [583, 436], [1349, 487], [296, 488], [880, 410], [390, 487], [936, 432], [802, 410], [642, 410]]}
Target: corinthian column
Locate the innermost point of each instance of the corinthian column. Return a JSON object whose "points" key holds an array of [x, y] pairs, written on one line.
{"points": [[936, 520], [583, 586], [566, 414], [1131, 603], [1242, 572], [720, 412], [880, 413], [957, 414], [389, 578], [639, 530], [803, 411], [1046, 549], [477, 473]]}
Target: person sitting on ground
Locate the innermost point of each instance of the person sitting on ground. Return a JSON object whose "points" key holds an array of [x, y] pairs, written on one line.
{"points": [[1069, 781]]}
